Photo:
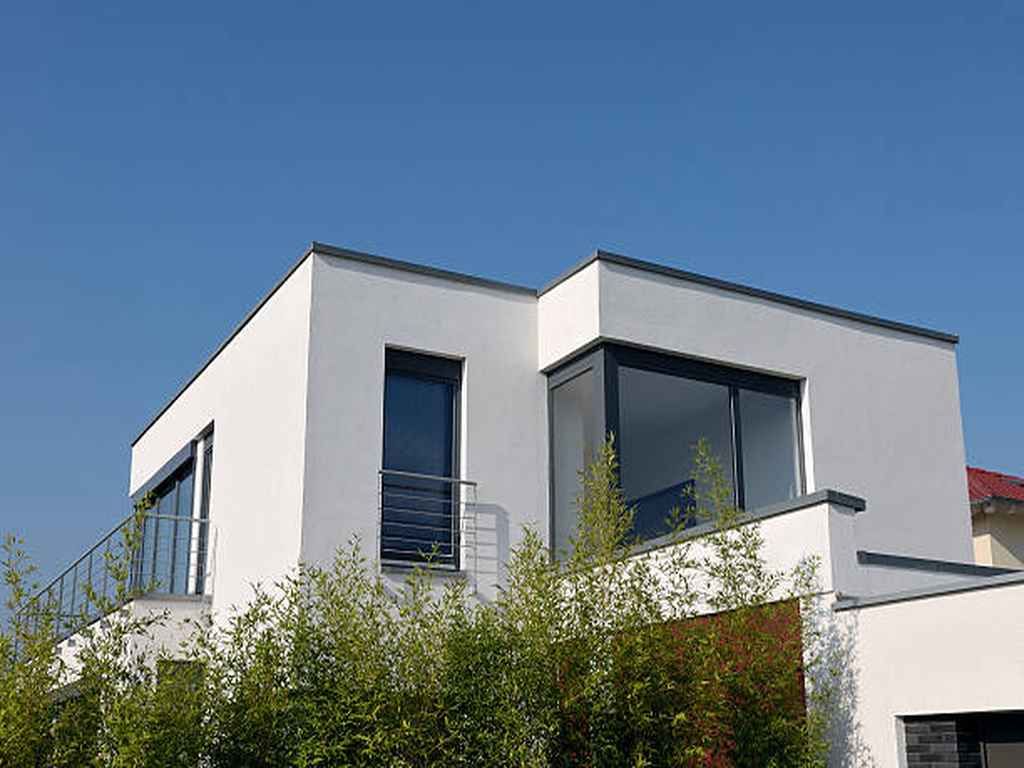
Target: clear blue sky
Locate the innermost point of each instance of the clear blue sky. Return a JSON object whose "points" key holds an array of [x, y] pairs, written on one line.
{"points": [[161, 167]]}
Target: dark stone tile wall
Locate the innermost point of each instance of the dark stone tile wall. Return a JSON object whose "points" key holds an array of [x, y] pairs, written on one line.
{"points": [[942, 742]]}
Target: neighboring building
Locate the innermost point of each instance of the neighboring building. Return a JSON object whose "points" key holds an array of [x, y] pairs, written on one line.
{"points": [[997, 517], [413, 407]]}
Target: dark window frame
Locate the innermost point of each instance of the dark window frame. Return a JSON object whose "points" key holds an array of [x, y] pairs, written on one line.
{"points": [[607, 357], [447, 370], [203, 539]]}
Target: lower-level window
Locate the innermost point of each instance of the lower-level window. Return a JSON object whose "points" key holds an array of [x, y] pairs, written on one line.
{"points": [[658, 407]]}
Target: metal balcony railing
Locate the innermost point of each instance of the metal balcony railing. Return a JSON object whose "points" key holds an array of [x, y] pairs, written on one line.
{"points": [[427, 520], [144, 555]]}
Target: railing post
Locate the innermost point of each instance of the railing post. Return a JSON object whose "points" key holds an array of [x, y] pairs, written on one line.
{"points": [[156, 549], [139, 554], [74, 590], [456, 493], [60, 604], [88, 581], [380, 517], [106, 567]]}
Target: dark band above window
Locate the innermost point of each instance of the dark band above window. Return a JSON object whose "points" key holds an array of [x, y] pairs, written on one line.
{"points": [[418, 364]]}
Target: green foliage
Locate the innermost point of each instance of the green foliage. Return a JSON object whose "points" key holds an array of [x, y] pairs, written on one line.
{"points": [[27, 660], [691, 655]]}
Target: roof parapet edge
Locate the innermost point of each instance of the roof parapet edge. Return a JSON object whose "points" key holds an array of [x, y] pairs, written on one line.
{"points": [[746, 290]]}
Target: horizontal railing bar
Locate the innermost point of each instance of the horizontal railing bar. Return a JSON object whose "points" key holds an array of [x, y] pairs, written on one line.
{"points": [[420, 475], [435, 528], [440, 544], [400, 562], [399, 499], [413, 511], [410, 556], [388, 493], [179, 518]]}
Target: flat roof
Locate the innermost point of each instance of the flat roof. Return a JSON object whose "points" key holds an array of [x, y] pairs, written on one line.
{"points": [[746, 290], [417, 269], [598, 255]]}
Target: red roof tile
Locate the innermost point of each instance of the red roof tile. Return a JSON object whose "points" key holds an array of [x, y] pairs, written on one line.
{"points": [[983, 484]]}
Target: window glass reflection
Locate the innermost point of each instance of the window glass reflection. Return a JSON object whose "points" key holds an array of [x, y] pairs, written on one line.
{"points": [[576, 436], [661, 418], [771, 468]]}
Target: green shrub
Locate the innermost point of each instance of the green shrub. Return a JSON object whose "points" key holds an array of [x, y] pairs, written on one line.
{"points": [[689, 656]]}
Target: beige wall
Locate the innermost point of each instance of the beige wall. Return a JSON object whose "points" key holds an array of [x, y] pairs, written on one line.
{"points": [[999, 537]]}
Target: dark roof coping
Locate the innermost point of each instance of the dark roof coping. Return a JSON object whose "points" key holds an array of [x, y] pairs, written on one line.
{"points": [[612, 258], [745, 290], [417, 269], [906, 562], [937, 590]]}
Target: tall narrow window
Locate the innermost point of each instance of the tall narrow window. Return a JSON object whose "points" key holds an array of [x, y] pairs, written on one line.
{"points": [[420, 497]]}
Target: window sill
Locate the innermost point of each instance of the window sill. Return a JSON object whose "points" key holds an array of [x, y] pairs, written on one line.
{"points": [[393, 566]]}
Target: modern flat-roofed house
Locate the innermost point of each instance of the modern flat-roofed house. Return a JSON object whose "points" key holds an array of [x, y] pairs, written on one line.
{"points": [[997, 517], [419, 409]]}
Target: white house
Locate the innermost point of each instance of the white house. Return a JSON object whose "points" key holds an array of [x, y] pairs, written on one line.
{"points": [[417, 408]]}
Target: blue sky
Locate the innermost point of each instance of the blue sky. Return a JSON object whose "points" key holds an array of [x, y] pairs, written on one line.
{"points": [[161, 165]]}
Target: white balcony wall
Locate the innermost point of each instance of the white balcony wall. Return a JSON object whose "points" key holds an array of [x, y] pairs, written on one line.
{"points": [[175, 621], [567, 316], [820, 533], [254, 391], [358, 310]]}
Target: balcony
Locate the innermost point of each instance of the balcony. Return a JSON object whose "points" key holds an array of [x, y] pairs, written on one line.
{"points": [[427, 520], [148, 555]]}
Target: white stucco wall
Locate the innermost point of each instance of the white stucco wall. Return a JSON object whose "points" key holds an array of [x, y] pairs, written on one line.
{"points": [[297, 400], [254, 391], [568, 316], [882, 412], [960, 652], [358, 310]]}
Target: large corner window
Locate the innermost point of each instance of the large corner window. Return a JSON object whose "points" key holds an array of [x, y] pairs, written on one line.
{"points": [[419, 486], [658, 407]]}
